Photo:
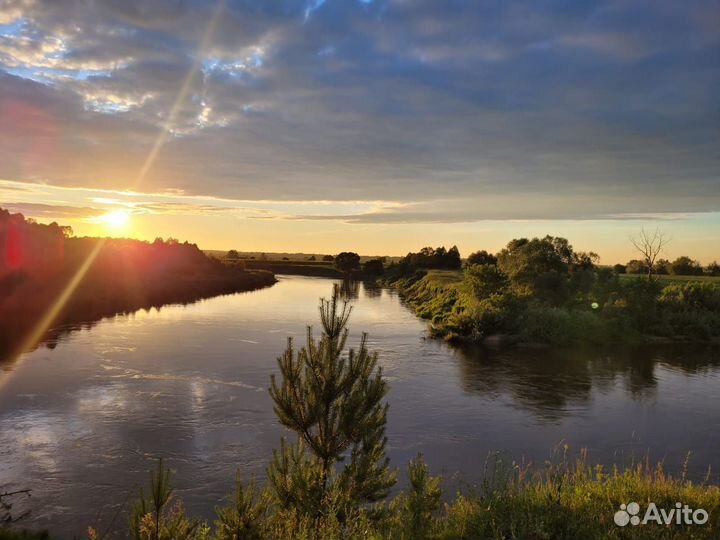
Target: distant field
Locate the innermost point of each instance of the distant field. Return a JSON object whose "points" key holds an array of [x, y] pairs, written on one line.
{"points": [[714, 279], [292, 257]]}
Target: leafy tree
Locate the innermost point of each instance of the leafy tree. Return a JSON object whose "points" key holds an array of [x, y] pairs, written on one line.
{"points": [[620, 269], [328, 258], [685, 266], [713, 269], [485, 280], [482, 257], [374, 267], [334, 402], [347, 261], [663, 267], [431, 258], [233, 254], [636, 267], [543, 267]]}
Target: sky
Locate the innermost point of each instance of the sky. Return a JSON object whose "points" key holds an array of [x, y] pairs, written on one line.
{"points": [[377, 126]]}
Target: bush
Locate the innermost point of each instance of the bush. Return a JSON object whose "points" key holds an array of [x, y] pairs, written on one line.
{"points": [[485, 280], [562, 327]]}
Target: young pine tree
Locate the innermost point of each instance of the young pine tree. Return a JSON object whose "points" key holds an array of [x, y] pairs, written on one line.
{"points": [[334, 402], [154, 518]]}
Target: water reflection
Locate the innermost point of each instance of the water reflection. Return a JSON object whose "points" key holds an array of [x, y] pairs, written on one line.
{"points": [[548, 382], [81, 418]]}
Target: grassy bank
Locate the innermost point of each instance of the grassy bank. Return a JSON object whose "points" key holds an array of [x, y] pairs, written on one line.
{"points": [[543, 291], [627, 311], [563, 499]]}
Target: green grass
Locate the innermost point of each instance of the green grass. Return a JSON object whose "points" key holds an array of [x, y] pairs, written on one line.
{"points": [[561, 499], [443, 278]]}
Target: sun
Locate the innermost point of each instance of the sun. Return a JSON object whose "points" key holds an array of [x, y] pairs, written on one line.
{"points": [[117, 219]]}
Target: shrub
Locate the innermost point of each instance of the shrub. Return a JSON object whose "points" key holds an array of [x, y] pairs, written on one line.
{"points": [[485, 280]]}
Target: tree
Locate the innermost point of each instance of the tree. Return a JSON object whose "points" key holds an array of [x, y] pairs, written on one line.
{"points": [[328, 258], [485, 280], [242, 519], [334, 402], [154, 518], [713, 269], [374, 267], [233, 254], [417, 508], [650, 245], [685, 266], [548, 268], [636, 267], [431, 258], [347, 261], [482, 257], [663, 267], [620, 268]]}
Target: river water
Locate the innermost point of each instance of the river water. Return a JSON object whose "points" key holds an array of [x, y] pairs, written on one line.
{"points": [[82, 419]]}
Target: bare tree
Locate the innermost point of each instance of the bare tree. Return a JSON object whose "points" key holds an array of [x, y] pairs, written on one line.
{"points": [[650, 245]]}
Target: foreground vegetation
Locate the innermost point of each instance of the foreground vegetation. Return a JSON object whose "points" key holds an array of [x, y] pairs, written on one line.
{"points": [[332, 479], [543, 291]]}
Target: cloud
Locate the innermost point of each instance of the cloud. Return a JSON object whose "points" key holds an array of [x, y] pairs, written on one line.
{"points": [[39, 210], [560, 109]]}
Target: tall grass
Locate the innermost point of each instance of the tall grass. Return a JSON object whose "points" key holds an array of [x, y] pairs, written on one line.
{"points": [[563, 498]]}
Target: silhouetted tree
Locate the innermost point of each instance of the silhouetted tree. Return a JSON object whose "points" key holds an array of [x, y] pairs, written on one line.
{"points": [[620, 268], [233, 254], [685, 266], [328, 258], [374, 267], [663, 267], [347, 261], [431, 258], [482, 257], [635, 266], [713, 269]]}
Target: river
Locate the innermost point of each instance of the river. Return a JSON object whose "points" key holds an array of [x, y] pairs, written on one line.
{"points": [[82, 418]]}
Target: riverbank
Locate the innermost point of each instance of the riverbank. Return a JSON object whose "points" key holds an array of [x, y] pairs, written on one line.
{"points": [[48, 280], [97, 297], [460, 307], [562, 499]]}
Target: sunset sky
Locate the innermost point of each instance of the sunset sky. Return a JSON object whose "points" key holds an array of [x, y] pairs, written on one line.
{"points": [[377, 126]]}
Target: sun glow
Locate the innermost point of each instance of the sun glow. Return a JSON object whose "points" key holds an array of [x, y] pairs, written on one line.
{"points": [[116, 220]]}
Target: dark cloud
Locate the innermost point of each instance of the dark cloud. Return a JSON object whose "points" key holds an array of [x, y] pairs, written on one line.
{"points": [[567, 108]]}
